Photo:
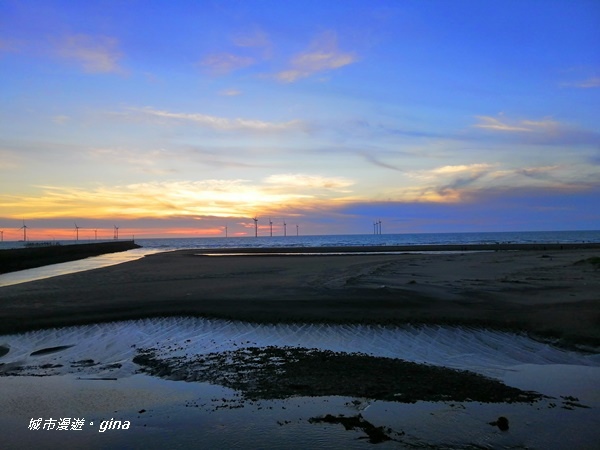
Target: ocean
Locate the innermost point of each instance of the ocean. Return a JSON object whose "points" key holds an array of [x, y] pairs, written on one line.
{"points": [[514, 237]]}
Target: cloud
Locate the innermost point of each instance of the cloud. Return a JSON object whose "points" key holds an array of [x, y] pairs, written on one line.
{"points": [[97, 54], [373, 160], [224, 63], [254, 37], [462, 168], [222, 123], [230, 92], [592, 82], [546, 131], [537, 172], [215, 198], [492, 123], [322, 56], [309, 181]]}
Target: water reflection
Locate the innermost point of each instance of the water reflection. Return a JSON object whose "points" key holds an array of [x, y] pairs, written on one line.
{"points": [[53, 270]]}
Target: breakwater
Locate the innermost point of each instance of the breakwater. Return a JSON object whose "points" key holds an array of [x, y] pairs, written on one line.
{"points": [[28, 258]]}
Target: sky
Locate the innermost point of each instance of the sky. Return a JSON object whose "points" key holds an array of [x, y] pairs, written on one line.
{"points": [[178, 119]]}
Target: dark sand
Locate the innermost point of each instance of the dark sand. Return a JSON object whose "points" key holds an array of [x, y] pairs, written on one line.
{"points": [[547, 293]]}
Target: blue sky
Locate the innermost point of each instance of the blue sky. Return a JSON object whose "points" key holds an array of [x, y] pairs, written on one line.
{"points": [[178, 118]]}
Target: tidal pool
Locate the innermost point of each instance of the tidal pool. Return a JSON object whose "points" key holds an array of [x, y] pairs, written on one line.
{"points": [[88, 372]]}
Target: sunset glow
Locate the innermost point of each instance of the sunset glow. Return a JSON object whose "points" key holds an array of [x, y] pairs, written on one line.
{"points": [[183, 118]]}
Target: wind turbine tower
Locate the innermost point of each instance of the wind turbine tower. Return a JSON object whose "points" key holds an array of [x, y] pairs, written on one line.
{"points": [[271, 225], [76, 231], [255, 226], [284, 228], [116, 232], [24, 228]]}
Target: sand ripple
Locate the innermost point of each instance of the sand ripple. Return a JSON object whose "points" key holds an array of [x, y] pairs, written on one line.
{"points": [[107, 349]]}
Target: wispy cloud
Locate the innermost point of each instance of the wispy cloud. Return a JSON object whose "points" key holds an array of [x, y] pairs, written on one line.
{"points": [[97, 54], [309, 181], [376, 161], [254, 37], [592, 82], [537, 172], [461, 168], [224, 63], [322, 56], [545, 131], [230, 92], [222, 123], [495, 124]]}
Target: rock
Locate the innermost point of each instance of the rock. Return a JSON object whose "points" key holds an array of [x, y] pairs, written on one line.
{"points": [[501, 423]]}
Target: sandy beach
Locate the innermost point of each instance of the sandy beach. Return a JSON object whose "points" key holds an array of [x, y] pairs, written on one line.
{"points": [[399, 350], [546, 293]]}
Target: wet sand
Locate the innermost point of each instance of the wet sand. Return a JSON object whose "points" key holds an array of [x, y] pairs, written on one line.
{"points": [[546, 293]]}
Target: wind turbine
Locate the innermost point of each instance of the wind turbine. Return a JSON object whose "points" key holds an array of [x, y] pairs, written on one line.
{"points": [[296, 230], [271, 225], [284, 228], [255, 226], [76, 231], [116, 232], [24, 228], [2, 236], [225, 230], [96, 234]]}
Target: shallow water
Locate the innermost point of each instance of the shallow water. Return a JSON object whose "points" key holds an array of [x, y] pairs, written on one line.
{"points": [[482, 351], [179, 415], [81, 265]]}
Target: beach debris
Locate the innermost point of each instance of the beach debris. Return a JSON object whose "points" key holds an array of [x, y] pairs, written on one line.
{"points": [[501, 423]]}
